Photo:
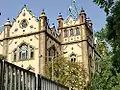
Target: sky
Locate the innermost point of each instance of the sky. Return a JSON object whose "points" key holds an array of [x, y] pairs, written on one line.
{"points": [[11, 8]]}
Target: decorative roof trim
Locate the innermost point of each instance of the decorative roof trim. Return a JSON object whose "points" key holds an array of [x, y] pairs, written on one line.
{"points": [[30, 12]]}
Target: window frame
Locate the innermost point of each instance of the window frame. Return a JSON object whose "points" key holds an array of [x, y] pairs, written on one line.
{"points": [[73, 58], [71, 32], [23, 54], [66, 33], [77, 31]]}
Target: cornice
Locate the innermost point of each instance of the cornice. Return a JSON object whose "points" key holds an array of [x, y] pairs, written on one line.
{"points": [[29, 34]]}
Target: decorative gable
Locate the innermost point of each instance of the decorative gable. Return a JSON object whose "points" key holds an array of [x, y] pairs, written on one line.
{"points": [[24, 23]]}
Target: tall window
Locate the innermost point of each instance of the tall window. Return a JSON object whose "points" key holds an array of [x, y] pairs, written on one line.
{"points": [[15, 54], [31, 52], [71, 32], [73, 57], [77, 31], [51, 53], [23, 54], [65, 33]]}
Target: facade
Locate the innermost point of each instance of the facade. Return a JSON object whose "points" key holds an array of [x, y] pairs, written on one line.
{"points": [[30, 42]]}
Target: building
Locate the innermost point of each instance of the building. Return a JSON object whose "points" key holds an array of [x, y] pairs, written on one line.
{"points": [[30, 42]]}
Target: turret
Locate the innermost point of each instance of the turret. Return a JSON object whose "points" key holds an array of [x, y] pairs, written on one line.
{"points": [[89, 22], [7, 27], [60, 21], [60, 25], [43, 21], [82, 16]]}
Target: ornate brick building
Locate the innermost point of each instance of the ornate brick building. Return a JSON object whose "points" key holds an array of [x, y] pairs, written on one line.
{"points": [[30, 42]]}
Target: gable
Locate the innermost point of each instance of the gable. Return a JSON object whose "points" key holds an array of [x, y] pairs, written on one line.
{"points": [[70, 21], [24, 23]]}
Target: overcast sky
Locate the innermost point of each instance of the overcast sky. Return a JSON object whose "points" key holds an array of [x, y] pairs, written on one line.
{"points": [[11, 8]]}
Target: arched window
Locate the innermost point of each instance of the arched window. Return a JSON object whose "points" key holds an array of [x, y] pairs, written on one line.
{"points": [[23, 53], [15, 54], [73, 57], [71, 32], [77, 31], [31, 52], [65, 33], [51, 53]]}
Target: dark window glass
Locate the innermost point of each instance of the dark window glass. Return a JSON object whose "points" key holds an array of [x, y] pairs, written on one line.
{"points": [[31, 52], [73, 58], [15, 55], [65, 33], [71, 32], [77, 31]]}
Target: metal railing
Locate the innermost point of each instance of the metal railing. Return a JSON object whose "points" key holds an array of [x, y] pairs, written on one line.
{"points": [[13, 77]]}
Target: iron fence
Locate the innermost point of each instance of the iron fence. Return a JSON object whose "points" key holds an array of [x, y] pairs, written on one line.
{"points": [[13, 77]]}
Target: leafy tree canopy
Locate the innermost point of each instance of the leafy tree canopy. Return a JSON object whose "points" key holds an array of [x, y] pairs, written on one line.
{"points": [[105, 4], [2, 57], [68, 73]]}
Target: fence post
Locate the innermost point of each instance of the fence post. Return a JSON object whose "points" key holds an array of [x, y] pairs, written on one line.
{"points": [[2, 75], [39, 82]]}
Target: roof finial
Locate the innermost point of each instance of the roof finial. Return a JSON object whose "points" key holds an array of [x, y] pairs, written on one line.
{"points": [[8, 22], [25, 5], [82, 10], [43, 12], [59, 14]]}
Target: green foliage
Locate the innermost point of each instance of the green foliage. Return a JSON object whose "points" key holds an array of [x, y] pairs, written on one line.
{"points": [[105, 4], [2, 57], [68, 73], [113, 34], [109, 77], [102, 46]]}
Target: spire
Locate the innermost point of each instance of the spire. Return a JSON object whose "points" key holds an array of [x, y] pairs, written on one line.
{"points": [[72, 10]]}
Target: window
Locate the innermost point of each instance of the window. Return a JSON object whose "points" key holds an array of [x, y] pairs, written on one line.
{"points": [[31, 53], [65, 33], [15, 54], [71, 32], [77, 31], [73, 57], [51, 53], [24, 23], [23, 54]]}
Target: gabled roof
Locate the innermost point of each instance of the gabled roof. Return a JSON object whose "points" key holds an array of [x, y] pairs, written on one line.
{"points": [[28, 10]]}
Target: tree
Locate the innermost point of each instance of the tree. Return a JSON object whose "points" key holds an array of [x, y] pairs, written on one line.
{"points": [[68, 73], [104, 80], [113, 34], [109, 77], [105, 4], [2, 57]]}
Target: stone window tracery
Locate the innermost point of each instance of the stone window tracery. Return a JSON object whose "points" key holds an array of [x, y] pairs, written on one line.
{"points": [[23, 54]]}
